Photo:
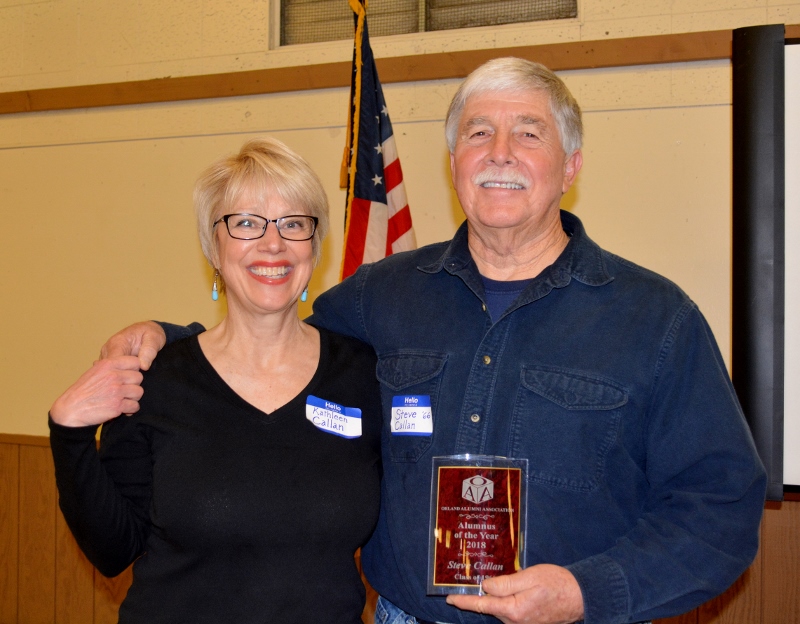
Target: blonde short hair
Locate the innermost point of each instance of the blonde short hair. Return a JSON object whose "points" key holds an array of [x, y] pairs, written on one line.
{"points": [[510, 74], [263, 165]]}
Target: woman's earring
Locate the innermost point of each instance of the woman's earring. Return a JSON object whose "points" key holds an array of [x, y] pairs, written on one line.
{"points": [[304, 296], [214, 292]]}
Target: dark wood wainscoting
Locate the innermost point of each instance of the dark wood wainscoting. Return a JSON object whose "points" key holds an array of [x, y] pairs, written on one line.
{"points": [[44, 577]]}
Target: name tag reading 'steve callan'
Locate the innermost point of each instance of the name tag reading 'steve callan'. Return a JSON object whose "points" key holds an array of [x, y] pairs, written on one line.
{"points": [[411, 415]]}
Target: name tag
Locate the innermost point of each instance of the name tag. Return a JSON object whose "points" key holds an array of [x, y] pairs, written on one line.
{"points": [[334, 418], [411, 415]]}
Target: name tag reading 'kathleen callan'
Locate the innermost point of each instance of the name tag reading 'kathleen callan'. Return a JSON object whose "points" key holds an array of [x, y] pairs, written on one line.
{"points": [[334, 418]]}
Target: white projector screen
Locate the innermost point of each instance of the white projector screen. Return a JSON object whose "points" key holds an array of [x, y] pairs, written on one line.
{"points": [[791, 416]]}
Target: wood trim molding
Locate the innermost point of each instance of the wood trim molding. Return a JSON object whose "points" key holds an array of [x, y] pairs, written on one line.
{"points": [[677, 48], [24, 440]]}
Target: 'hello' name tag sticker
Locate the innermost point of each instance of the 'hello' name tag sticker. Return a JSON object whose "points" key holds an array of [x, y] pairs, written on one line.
{"points": [[411, 415], [334, 418]]}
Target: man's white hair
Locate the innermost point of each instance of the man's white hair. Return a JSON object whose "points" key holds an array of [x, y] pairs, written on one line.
{"points": [[513, 75]]}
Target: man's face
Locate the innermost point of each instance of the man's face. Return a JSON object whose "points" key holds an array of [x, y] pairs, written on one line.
{"points": [[509, 169]]}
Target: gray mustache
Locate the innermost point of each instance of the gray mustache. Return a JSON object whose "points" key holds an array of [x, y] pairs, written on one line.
{"points": [[504, 176]]}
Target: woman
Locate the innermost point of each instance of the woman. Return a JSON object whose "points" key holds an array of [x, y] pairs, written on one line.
{"points": [[247, 480]]}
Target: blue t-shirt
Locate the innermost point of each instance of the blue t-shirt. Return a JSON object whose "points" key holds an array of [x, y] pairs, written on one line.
{"points": [[500, 295]]}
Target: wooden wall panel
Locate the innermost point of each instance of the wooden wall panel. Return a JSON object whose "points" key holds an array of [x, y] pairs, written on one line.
{"points": [[741, 603], [686, 618], [45, 578], [9, 531], [108, 595], [37, 536], [781, 552], [74, 582]]}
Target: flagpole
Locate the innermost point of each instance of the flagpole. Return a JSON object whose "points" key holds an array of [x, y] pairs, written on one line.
{"points": [[354, 123]]}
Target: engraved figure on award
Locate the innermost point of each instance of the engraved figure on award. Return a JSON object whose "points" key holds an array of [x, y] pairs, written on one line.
{"points": [[477, 524]]}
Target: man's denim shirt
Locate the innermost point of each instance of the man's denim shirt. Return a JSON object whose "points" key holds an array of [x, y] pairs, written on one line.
{"points": [[643, 477]]}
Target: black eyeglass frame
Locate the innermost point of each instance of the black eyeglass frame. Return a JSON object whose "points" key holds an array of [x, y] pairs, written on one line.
{"points": [[266, 225]]}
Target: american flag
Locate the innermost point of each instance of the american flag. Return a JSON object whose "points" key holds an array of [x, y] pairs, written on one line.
{"points": [[377, 218]]}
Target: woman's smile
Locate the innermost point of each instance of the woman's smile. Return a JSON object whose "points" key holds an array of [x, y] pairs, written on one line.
{"points": [[269, 270]]}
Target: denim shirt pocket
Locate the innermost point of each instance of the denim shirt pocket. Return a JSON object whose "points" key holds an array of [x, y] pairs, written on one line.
{"points": [[408, 372], [565, 421]]}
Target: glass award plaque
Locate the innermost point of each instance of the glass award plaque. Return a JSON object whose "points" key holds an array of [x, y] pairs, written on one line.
{"points": [[477, 525]]}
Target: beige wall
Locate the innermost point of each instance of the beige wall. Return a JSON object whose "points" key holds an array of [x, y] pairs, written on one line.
{"points": [[97, 225]]}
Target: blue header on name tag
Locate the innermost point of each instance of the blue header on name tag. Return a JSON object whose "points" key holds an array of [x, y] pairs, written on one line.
{"points": [[353, 412], [411, 400]]}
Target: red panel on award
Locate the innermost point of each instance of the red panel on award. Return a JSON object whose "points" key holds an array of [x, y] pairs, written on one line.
{"points": [[477, 521]]}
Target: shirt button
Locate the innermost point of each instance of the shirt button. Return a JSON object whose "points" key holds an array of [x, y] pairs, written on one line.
{"points": [[475, 418], [487, 360]]}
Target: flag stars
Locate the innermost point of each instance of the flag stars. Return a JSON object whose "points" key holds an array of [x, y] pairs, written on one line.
{"points": [[384, 110], [377, 180], [379, 149]]}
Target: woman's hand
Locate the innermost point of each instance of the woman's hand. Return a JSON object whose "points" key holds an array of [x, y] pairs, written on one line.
{"points": [[109, 388]]}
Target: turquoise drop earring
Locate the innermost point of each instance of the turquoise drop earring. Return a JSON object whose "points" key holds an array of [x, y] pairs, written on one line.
{"points": [[214, 292]]}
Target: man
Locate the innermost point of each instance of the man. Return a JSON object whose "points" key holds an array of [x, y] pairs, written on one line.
{"points": [[645, 490]]}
